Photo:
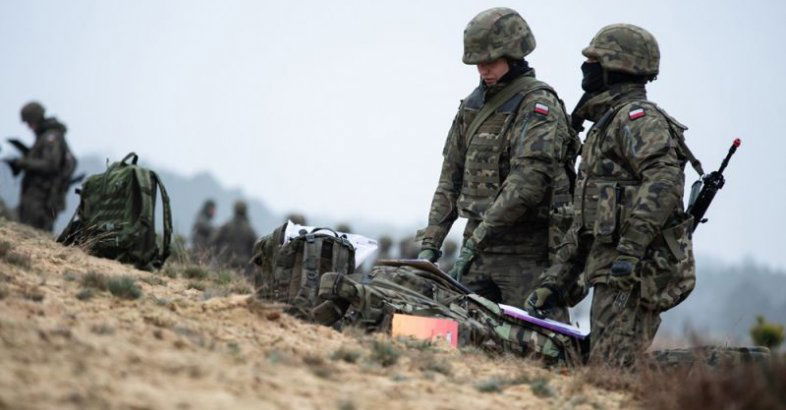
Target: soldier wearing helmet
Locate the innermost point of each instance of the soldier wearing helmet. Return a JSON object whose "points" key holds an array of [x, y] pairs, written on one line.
{"points": [[203, 227], [234, 241], [507, 162], [47, 165], [630, 235]]}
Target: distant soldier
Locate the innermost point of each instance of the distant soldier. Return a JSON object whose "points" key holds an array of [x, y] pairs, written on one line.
{"points": [[203, 228], [408, 248], [344, 227], [630, 239], [296, 218], [47, 165], [234, 241], [385, 244], [508, 166]]}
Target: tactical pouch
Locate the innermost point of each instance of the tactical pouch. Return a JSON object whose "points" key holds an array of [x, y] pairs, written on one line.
{"points": [[668, 271], [606, 217]]}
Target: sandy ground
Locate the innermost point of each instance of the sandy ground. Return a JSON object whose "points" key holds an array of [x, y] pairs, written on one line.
{"points": [[177, 348]]}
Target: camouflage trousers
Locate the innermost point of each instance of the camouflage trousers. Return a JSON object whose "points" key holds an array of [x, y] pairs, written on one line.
{"points": [[35, 212], [622, 328], [507, 278]]}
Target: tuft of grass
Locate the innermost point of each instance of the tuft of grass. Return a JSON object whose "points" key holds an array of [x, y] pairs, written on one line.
{"points": [[541, 388], [94, 280], [490, 385], [33, 294], [346, 355], [153, 280], [18, 259], [85, 294], [124, 287], [195, 285], [222, 277], [3, 292], [417, 344], [195, 272], [70, 276], [5, 248], [384, 353], [432, 364]]}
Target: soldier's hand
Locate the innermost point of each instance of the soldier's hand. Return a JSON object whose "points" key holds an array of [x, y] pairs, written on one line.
{"points": [[540, 299], [430, 254], [464, 261], [622, 272]]}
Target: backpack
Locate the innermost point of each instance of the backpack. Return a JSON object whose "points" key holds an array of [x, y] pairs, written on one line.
{"points": [[116, 216], [290, 272]]}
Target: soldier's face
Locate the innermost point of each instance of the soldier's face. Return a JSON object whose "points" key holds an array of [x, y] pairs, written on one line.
{"points": [[492, 71]]}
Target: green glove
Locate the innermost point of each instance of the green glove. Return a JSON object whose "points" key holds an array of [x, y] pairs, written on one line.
{"points": [[622, 275], [464, 261], [542, 298], [430, 254]]}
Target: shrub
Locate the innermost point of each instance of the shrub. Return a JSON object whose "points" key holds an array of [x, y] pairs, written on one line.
{"points": [[124, 287], [384, 353], [766, 333]]}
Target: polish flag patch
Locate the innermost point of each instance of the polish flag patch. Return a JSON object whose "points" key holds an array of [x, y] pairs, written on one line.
{"points": [[541, 109], [637, 113]]}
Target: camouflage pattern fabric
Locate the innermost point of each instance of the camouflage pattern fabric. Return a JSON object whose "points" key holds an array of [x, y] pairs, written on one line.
{"points": [[495, 33], [625, 48], [506, 178], [628, 202], [234, 241], [43, 196], [375, 297], [203, 228], [711, 356]]}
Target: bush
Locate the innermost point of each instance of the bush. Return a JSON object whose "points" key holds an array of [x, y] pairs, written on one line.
{"points": [[94, 280], [124, 287], [384, 353], [766, 333]]}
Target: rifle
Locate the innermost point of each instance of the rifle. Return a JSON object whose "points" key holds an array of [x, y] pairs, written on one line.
{"points": [[22, 148], [703, 191]]}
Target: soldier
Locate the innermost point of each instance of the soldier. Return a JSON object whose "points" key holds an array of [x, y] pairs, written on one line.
{"points": [[234, 241], [508, 161], [385, 245], [449, 254], [47, 167], [408, 248], [630, 235], [203, 228], [344, 228]]}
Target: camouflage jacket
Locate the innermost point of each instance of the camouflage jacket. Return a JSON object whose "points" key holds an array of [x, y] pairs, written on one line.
{"points": [[43, 163], [202, 231], [234, 242], [629, 193], [501, 178]]}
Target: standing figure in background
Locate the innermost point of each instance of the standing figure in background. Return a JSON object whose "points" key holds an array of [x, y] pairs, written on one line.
{"points": [[234, 241], [47, 165], [203, 228]]}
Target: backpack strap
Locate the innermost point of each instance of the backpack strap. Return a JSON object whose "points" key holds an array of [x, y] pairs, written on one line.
{"points": [[312, 253], [167, 238], [523, 83], [340, 258], [132, 156]]}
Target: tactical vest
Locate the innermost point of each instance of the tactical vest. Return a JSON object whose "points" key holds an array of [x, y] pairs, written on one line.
{"points": [[487, 165]]}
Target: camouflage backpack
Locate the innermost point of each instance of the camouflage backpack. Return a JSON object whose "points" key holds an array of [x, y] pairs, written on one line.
{"points": [[116, 216], [290, 272]]}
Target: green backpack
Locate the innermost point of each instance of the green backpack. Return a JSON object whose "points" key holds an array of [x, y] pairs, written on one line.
{"points": [[116, 216]]}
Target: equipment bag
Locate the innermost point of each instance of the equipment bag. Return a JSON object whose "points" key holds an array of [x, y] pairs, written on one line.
{"points": [[116, 216], [290, 272]]}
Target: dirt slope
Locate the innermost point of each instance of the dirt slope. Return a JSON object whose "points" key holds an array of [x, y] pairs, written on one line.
{"points": [[62, 346]]}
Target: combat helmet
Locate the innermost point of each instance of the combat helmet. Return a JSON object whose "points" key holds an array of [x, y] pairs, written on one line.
{"points": [[494, 33], [240, 208], [625, 48], [32, 112]]}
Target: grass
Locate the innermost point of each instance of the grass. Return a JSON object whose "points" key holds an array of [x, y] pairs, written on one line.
{"points": [[195, 272], [153, 280], [124, 287], [490, 385], [8, 254], [432, 364], [346, 355], [384, 353], [85, 294], [195, 285], [94, 280]]}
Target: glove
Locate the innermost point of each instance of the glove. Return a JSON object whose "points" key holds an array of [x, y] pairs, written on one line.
{"points": [[464, 261], [430, 254], [542, 298], [622, 272]]}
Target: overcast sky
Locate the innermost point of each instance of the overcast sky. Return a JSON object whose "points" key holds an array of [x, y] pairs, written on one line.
{"points": [[341, 108]]}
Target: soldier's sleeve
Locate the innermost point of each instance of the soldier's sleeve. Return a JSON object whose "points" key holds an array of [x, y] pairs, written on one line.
{"points": [[443, 210], [533, 153], [571, 256], [51, 156], [646, 142]]}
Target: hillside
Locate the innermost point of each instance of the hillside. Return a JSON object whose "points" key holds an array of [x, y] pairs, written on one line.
{"points": [[195, 339]]}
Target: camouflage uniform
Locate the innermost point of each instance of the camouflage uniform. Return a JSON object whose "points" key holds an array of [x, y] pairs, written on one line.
{"points": [[43, 190], [234, 241], [628, 205], [507, 176], [203, 228]]}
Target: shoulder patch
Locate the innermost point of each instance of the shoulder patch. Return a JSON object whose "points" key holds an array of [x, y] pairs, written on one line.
{"points": [[636, 113], [541, 109]]}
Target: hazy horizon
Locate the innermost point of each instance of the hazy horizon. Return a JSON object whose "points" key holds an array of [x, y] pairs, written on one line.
{"points": [[341, 109]]}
